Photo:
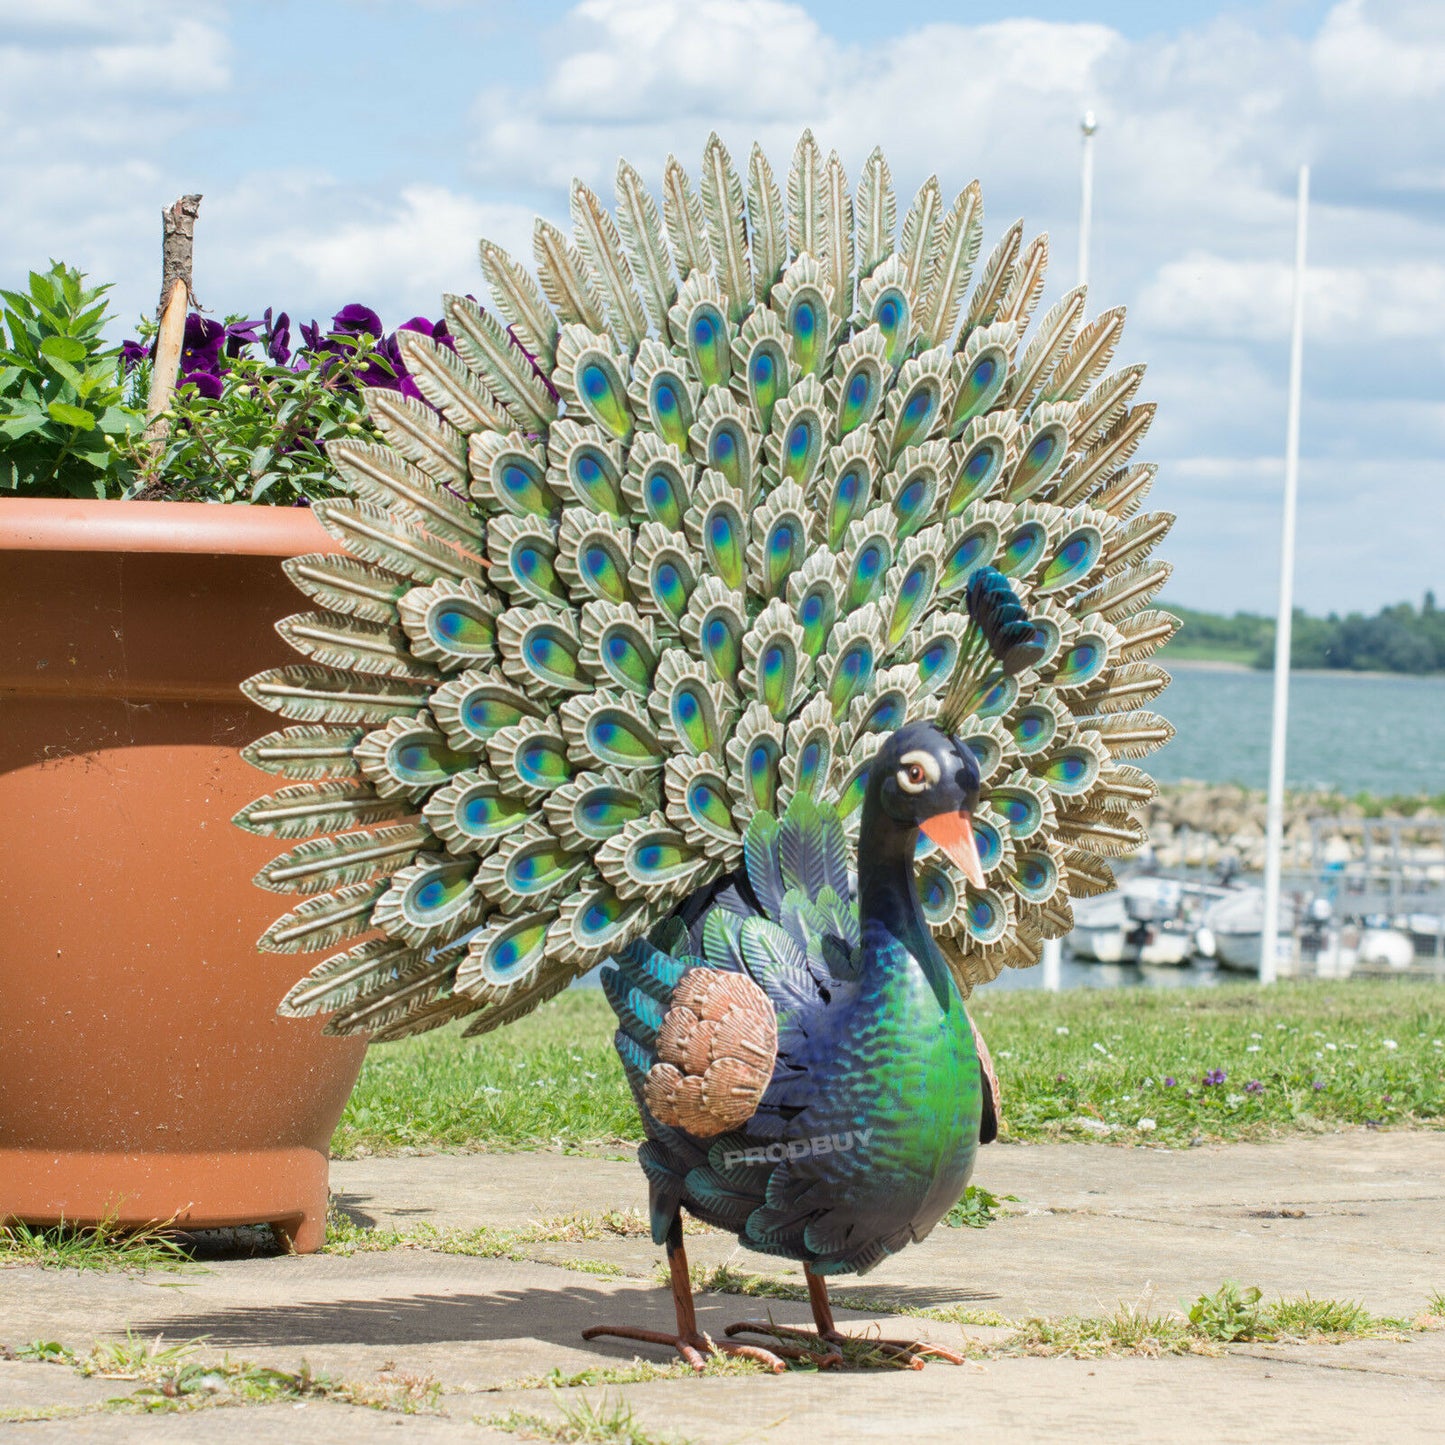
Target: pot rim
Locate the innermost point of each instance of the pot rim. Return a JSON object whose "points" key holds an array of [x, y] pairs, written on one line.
{"points": [[79, 524]]}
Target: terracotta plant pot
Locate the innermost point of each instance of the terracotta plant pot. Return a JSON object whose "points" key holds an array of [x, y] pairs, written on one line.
{"points": [[144, 1074]]}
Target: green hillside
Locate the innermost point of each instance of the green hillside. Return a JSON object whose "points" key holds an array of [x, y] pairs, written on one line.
{"points": [[1400, 638]]}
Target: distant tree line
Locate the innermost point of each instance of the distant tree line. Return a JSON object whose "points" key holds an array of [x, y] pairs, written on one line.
{"points": [[1402, 638]]}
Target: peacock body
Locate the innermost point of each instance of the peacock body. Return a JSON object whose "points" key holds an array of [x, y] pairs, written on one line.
{"points": [[732, 497]]}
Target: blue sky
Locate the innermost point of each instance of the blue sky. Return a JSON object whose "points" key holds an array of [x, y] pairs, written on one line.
{"points": [[356, 150]]}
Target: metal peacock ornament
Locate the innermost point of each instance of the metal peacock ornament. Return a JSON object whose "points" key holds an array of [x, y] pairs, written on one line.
{"points": [[758, 610]]}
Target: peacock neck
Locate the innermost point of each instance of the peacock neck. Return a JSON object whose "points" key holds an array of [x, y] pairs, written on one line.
{"points": [[888, 896]]}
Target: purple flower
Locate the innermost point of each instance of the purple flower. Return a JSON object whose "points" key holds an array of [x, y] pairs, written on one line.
{"points": [[1061, 1078], [354, 319], [132, 353], [311, 335], [1170, 1081], [201, 346], [1389, 1098], [1215, 1076], [205, 382], [436, 330], [277, 337], [1254, 1087], [239, 335], [1318, 1085]]}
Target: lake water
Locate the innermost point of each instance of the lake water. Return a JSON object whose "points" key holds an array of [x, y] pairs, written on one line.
{"points": [[1352, 732]]}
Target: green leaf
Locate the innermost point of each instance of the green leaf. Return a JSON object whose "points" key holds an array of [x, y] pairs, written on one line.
{"points": [[63, 348], [68, 415]]}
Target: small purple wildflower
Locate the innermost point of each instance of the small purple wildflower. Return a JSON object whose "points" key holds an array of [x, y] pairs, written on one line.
{"points": [[1170, 1081], [276, 337], [1061, 1078], [1389, 1098], [1254, 1087], [1214, 1077], [1318, 1085], [132, 353], [201, 346], [207, 383], [355, 319], [239, 335]]}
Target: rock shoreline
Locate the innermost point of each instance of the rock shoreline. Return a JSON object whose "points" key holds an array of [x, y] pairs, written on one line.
{"points": [[1207, 824]]}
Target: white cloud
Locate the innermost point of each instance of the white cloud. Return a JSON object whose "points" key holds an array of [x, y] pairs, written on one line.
{"points": [[1202, 128], [1395, 49], [1220, 296], [409, 249]]}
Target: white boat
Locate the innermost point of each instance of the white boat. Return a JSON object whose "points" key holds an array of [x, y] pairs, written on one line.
{"points": [[1383, 949], [1426, 932], [1169, 944], [1101, 926], [1107, 929], [1236, 923]]}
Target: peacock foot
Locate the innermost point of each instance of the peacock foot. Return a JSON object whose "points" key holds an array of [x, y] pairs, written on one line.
{"points": [[695, 1346], [855, 1350]]}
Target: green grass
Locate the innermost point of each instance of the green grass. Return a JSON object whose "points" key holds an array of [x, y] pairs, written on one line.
{"points": [[977, 1209], [1088, 1064], [1181, 649], [1232, 1314], [100, 1246], [171, 1379], [583, 1422]]}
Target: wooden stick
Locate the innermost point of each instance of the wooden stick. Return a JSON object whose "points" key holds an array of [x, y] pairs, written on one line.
{"points": [[178, 239], [169, 341]]}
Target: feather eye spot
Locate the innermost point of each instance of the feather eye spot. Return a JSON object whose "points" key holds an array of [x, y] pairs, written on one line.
{"points": [[989, 843], [594, 382], [889, 314], [982, 462], [912, 497], [542, 765]]}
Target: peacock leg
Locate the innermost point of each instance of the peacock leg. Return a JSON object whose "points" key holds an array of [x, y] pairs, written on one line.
{"points": [[689, 1341], [912, 1353]]}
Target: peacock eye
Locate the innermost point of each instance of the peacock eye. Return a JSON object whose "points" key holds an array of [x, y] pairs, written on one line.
{"points": [[913, 777]]}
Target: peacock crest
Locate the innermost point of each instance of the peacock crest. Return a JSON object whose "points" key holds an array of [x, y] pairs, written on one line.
{"points": [[683, 538]]}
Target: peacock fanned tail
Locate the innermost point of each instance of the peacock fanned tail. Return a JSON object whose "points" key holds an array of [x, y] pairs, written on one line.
{"points": [[689, 525]]}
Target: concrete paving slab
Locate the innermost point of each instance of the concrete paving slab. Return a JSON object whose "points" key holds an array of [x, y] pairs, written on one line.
{"points": [[1094, 1225], [26, 1386], [1356, 1216], [507, 1190], [1191, 1401], [304, 1423]]}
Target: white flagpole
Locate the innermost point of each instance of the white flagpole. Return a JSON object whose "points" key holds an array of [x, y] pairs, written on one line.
{"points": [[1086, 195], [1274, 818]]}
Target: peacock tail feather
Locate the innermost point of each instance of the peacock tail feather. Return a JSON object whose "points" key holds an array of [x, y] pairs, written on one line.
{"points": [[694, 520]]}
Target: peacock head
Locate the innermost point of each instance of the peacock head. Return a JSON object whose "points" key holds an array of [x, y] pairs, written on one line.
{"points": [[924, 778]]}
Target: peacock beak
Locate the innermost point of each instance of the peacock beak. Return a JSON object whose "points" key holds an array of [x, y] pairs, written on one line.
{"points": [[953, 832]]}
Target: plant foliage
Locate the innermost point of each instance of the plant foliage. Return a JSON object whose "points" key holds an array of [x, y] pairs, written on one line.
{"points": [[64, 421]]}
